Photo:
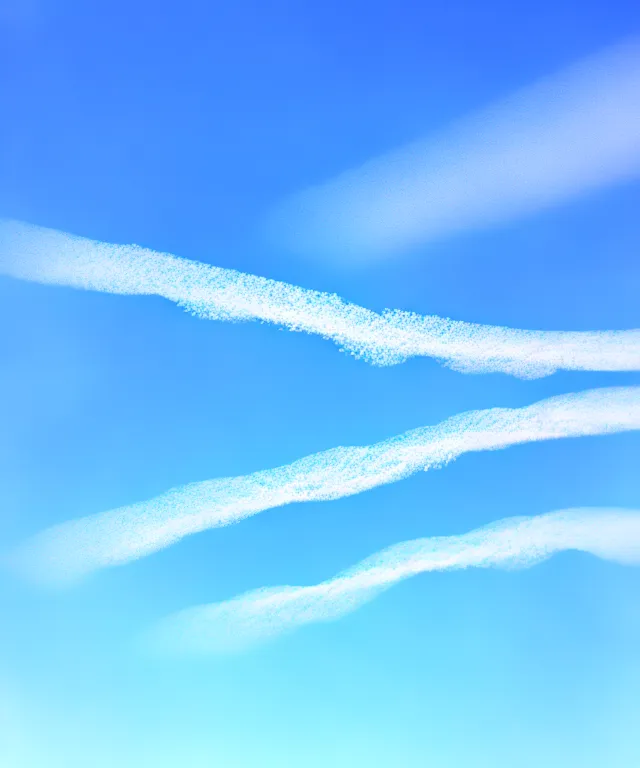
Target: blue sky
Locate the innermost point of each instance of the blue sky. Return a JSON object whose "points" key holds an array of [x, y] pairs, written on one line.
{"points": [[178, 127]]}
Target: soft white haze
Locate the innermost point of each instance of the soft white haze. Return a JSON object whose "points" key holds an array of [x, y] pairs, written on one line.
{"points": [[561, 138]]}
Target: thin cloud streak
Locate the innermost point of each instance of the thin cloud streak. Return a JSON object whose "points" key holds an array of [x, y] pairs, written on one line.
{"points": [[556, 140], [48, 256], [517, 542], [71, 550]]}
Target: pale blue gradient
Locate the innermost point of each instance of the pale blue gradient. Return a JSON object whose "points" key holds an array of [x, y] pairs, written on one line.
{"points": [[178, 127]]}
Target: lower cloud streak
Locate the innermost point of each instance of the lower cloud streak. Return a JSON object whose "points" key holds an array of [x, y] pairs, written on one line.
{"points": [[252, 618], [71, 550]]}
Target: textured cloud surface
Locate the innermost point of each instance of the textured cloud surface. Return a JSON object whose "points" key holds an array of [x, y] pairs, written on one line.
{"points": [[70, 550], [611, 534], [48, 256], [561, 138]]}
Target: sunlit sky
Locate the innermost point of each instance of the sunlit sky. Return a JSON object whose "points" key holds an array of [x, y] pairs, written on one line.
{"points": [[179, 127]]}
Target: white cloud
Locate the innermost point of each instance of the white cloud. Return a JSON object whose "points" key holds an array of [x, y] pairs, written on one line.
{"points": [[237, 624], [73, 549], [48, 256]]}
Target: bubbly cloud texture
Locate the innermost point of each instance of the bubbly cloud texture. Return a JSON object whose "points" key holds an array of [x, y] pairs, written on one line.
{"points": [[556, 140], [69, 551], [47, 256], [234, 625]]}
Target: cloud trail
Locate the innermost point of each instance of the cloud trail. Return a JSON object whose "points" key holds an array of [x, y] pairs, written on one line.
{"points": [[238, 624], [556, 140], [47, 256], [68, 551]]}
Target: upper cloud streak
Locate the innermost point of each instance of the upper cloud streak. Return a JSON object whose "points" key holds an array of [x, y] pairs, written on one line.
{"points": [[238, 624], [48, 256], [556, 140], [71, 550]]}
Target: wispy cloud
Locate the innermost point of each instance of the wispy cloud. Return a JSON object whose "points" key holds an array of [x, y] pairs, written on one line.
{"points": [[554, 141], [237, 624], [48, 256], [73, 549]]}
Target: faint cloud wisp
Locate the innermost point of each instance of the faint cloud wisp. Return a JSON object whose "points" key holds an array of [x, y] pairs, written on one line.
{"points": [[561, 138], [517, 542]]}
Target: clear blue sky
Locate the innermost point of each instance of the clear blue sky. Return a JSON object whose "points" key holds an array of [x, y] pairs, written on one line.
{"points": [[177, 126]]}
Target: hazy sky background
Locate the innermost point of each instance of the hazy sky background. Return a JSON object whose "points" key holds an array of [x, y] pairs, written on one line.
{"points": [[177, 127]]}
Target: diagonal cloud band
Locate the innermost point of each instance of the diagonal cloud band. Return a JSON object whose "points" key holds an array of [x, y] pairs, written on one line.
{"points": [[48, 256], [68, 551], [556, 140], [238, 624]]}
